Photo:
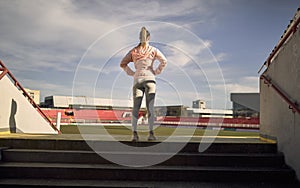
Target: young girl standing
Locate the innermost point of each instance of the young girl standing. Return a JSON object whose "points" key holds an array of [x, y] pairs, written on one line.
{"points": [[143, 57]]}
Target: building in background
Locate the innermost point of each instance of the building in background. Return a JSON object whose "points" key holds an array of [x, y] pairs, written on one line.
{"points": [[200, 104], [174, 110], [82, 102], [199, 110], [245, 104], [56, 101], [34, 94]]}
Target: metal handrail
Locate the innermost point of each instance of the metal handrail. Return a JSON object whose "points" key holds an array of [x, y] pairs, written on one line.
{"points": [[292, 105], [17, 84], [291, 30]]}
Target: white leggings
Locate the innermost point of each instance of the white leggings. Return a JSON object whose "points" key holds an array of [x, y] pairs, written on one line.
{"points": [[149, 88]]}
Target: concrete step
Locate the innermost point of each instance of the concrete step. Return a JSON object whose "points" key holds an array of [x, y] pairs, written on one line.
{"points": [[182, 159], [153, 173], [55, 183], [88, 145], [63, 162]]}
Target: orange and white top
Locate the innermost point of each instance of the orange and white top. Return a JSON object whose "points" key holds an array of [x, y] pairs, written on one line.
{"points": [[143, 59]]}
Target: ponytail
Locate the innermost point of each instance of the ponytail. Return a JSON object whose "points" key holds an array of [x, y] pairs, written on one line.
{"points": [[144, 34]]}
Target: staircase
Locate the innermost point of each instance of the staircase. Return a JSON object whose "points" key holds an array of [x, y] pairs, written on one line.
{"points": [[72, 163]]}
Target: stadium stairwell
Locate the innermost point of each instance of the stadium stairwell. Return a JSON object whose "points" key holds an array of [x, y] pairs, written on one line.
{"points": [[67, 162]]}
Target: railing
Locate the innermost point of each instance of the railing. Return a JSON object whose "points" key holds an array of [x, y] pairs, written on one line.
{"points": [[16, 83], [291, 30], [292, 105]]}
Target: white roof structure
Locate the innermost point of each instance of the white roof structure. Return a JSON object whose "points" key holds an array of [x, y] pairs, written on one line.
{"points": [[67, 101], [212, 112]]}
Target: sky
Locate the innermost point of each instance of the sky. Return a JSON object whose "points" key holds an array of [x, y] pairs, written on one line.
{"points": [[74, 47]]}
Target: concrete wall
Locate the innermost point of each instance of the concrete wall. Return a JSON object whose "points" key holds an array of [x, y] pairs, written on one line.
{"points": [[277, 121], [17, 115]]}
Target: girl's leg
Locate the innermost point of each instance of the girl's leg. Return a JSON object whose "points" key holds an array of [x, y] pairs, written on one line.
{"points": [[150, 107], [150, 98], [137, 101], [138, 93]]}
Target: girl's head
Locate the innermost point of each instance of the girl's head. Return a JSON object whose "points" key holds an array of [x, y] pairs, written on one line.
{"points": [[144, 36]]}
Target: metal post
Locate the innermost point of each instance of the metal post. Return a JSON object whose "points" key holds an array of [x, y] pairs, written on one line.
{"points": [[58, 118]]}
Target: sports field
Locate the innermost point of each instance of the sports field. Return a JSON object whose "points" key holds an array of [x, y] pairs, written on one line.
{"points": [[122, 132], [125, 129]]}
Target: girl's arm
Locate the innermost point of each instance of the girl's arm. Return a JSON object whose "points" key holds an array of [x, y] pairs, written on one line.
{"points": [[163, 62], [124, 64]]}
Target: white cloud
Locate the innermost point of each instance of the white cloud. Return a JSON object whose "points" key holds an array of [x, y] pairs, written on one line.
{"points": [[243, 84], [40, 35], [182, 52], [46, 88], [43, 32], [47, 34]]}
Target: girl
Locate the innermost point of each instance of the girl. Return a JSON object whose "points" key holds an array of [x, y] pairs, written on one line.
{"points": [[143, 57]]}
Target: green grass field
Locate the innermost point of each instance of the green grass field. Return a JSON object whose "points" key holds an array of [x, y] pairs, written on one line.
{"points": [[159, 131]]}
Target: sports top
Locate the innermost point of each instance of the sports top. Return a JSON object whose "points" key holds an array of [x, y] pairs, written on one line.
{"points": [[143, 59]]}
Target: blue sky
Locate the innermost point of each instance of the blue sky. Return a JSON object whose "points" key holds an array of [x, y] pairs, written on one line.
{"points": [[214, 47]]}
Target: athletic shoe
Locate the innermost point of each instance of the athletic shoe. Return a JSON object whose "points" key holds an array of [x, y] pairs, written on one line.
{"points": [[151, 136], [135, 137]]}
